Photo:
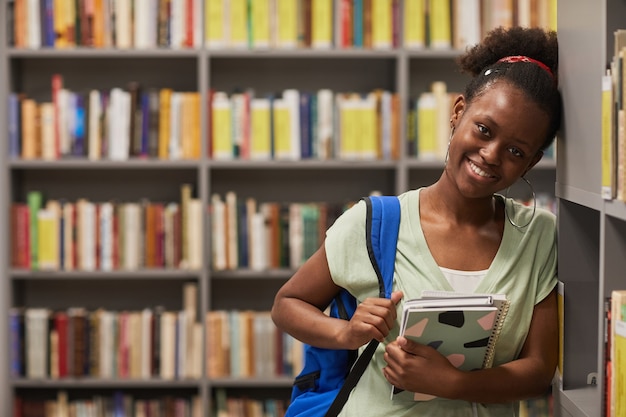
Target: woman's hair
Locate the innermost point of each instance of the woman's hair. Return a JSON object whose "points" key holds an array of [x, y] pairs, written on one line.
{"points": [[539, 82]]}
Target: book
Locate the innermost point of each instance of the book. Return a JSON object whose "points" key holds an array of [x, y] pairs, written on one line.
{"points": [[617, 406], [462, 327]]}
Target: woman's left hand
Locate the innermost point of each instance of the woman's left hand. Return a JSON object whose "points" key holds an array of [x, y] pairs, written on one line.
{"points": [[419, 368]]}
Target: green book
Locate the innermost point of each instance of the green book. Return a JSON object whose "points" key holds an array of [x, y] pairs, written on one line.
{"points": [[34, 199]]}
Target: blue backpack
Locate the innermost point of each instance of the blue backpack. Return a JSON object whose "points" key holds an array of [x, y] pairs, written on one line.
{"points": [[328, 377]]}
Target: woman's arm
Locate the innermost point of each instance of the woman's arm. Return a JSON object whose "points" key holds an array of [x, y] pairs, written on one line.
{"points": [[299, 310], [420, 368]]}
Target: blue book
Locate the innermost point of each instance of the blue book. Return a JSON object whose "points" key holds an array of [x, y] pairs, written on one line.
{"points": [[14, 126], [357, 23], [16, 342]]}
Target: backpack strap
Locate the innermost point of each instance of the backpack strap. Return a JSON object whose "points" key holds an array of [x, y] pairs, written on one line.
{"points": [[381, 227]]}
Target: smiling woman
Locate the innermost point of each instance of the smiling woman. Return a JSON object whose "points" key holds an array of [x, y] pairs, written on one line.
{"points": [[458, 235]]}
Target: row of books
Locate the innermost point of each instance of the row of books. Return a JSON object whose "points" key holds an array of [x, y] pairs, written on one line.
{"points": [[297, 125], [614, 404], [77, 342], [113, 124], [237, 406], [86, 235], [119, 404], [614, 123], [245, 343], [148, 344], [260, 24], [246, 233]]}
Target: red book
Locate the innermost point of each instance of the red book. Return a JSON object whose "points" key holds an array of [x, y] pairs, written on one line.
{"points": [[189, 23], [60, 325]]}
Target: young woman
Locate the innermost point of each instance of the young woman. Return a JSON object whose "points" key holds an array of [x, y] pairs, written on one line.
{"points": [[455, 235]]}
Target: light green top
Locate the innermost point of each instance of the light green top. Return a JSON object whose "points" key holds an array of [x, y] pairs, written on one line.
{"points": [[524, 269]]}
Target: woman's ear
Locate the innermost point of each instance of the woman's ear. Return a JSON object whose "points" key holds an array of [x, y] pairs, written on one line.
{"points": [[457, 110]]}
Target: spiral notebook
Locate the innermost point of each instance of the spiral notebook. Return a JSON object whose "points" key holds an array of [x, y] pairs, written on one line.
{"points": [[462, 327]]}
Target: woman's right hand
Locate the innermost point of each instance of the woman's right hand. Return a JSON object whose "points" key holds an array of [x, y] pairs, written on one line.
{"points": [[373, 319]]}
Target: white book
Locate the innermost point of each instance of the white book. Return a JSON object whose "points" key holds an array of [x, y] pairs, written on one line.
{"points": [[107, 343], [36, 339], [386, 124], [63, 96], [466, 23], [86, 235], [123, 24], [177, 24], [175, 144], [132, 235], [194, 233], [33, 22], [218, 233], [141, 23], [106, 236], [168, 345], [325, 121], [259, 254], [182, 329], [119, 125], [146, 343]]}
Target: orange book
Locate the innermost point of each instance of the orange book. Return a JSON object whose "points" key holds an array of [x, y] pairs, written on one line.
{"points": [[150, 236], [29, 129]]}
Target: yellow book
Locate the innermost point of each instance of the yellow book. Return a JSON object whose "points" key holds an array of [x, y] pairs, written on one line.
{"points": [[238, 23], [221, 127], [287, 23], [282, 129], [214, 17], [322, 24], [608, 189], [165, 102], [552, 13], [260, 133], [368, 132], [427, 144], [415, 24], [196, 145], [348, 106], [382, 25], [439, 19], [48, 242], [260, 19]]}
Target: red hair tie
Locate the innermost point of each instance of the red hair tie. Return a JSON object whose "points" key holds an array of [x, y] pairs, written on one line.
{"points": [[522, 58]]}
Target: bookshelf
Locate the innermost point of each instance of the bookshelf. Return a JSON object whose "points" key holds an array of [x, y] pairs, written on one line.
{"points": [[592, 231], [407, 72]]}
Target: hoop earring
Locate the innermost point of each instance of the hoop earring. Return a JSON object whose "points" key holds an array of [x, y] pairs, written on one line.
{"points": [[445, 161], [506, 195]]}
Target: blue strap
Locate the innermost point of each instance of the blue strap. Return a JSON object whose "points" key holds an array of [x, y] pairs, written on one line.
{"points": [[383, 223]]}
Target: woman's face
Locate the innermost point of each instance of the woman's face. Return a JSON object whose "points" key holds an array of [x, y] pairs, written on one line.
{"points": [[496, 140]]}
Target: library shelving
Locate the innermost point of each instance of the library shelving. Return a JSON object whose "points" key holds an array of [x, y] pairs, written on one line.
{"points": [[141, 179], [592, 230]]}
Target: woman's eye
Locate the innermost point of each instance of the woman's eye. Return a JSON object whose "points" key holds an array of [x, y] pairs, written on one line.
{"points": [[516, 152], [483, 130]]}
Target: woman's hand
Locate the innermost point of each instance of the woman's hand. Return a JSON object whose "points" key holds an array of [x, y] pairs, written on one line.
{"points": [[373, 319], [419, 368]]}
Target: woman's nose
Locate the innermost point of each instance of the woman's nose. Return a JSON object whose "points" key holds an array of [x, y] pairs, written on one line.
{"points": [[490, 153]]}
